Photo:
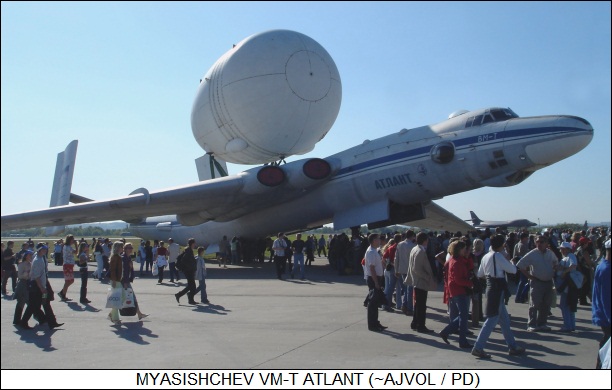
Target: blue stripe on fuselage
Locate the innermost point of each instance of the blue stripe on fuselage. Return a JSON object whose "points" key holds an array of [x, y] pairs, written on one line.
{"points": [[503, 136]]}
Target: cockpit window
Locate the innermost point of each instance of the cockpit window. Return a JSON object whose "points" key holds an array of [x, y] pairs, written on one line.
{"points": [[443, 153], [494, 115], [502, 114], [488, 118]]}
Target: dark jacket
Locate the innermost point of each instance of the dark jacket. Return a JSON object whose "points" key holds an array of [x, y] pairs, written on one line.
{"points": [[189, 263]]}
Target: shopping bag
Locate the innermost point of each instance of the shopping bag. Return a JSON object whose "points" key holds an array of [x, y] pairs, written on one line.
{"points": [[114, 298], [129, 307], [154, 270], [128, 300]]}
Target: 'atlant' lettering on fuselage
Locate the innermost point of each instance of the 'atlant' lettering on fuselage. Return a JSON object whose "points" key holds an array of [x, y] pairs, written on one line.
{"points": [[393, 181]]}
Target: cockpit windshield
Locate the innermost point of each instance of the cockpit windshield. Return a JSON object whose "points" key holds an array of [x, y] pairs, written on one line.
{"points": [[492, 115], [502, 114]]}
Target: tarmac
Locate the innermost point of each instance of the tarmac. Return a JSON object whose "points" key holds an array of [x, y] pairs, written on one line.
{"points": [[255, 321]]}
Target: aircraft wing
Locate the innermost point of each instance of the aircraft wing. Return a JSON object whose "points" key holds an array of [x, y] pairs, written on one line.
{"points": [[438, 218], [220, 199]]}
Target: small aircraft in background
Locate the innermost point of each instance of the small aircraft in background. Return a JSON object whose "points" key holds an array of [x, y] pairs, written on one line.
{"points": [[479, 223]]}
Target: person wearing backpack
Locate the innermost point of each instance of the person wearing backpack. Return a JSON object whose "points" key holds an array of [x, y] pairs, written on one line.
{"points": [[188, 266]]}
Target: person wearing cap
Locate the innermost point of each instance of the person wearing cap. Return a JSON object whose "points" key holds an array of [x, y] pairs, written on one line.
{"points": [[601, 298], [568, 291], [375, 279], [38, 293], [21, 291], [539, 267], [585, 265]]}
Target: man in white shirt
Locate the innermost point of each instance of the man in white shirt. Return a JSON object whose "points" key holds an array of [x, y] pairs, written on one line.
{"points": [[374, 274], [279, 247], [402, 258], [493, 267], [174, 250]]}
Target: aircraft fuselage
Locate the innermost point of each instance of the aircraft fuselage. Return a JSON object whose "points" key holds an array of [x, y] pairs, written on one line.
{"points": [[489, 147]]}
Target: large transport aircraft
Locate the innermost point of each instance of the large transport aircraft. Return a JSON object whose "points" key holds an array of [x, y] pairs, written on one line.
{"points": [[479, 223], [381, 182]]}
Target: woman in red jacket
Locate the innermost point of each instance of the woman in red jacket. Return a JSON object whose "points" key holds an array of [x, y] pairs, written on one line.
{"points": [[459, 289]]}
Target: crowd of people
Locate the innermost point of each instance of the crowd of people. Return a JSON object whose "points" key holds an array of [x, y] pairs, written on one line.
{"points": [[573, 265], [28, 271], [399, 270]]}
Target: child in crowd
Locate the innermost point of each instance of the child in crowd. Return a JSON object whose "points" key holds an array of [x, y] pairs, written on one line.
{"points": [[201, 275]]}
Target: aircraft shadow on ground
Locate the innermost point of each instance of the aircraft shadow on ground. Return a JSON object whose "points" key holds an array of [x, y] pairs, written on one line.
{"points": [[134, 332]]}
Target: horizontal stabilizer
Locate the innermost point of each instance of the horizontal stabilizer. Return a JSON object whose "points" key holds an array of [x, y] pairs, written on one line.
{"points": [[74, 198]]}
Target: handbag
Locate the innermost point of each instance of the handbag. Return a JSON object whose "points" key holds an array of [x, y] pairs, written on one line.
{"points": [[114, 298]]}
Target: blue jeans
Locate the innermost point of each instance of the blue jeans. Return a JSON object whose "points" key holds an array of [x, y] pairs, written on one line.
{"points": [[389, 285], [569, 318], [453, 311], [490, 323], [202, 289], [522, 289], [408, 294], [399, 293], [298, 260], [461, 304], [173, 272]]}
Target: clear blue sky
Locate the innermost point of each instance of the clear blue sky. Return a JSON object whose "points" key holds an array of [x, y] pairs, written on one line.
{"points": [[121, 78]]}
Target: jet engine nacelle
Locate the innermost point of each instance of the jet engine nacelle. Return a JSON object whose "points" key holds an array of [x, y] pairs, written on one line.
{"points": [[307, 173], [299, 174], [273, 95]]}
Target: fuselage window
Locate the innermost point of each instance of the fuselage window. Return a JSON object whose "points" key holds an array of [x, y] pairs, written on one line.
{"points": [[443, 153]]}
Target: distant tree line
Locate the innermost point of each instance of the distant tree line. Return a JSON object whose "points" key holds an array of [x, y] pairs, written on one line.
{"points": [[88, 231], [91, 231]]}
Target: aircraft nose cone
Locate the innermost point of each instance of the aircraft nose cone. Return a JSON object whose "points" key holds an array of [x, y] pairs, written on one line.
{"points": [[574, 135]]}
